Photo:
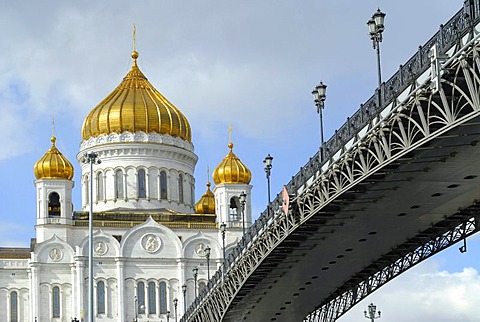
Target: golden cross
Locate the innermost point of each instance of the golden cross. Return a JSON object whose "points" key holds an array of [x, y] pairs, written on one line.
{"points": [[134, 37], [53, 125], [230, 133]]}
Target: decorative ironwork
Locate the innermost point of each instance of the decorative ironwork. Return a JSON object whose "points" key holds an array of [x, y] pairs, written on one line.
{"points": [[437, 240], [373, 140]]}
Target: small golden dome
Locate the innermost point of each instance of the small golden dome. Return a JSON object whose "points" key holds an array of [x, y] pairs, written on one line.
{"points": [[53, 165], [135, 105], [231, 170], [206, 204]]}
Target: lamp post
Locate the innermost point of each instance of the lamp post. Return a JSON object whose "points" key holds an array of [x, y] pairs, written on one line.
{"points": [[319, 95], [135, 303], [91, 158], [184, 291], [175, 303], [223, 228], [267, 164], [195, 276], [376, 27], [75, 320], [207, 256], [243, 199], [372, 313]]}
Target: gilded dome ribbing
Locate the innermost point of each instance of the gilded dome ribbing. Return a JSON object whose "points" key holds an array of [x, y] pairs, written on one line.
{"points": [[53, 165], [206, 204], [231, 170], [135, 105]]}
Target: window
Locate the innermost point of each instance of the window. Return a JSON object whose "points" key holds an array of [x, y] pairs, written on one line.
{"points": [[163, 185], [100, 186], [100, 297], [13, 307], [142, 192], [56, 302], [118, 184], [141, 298], [180, 188], [163, 297], [152, 309], [53, 205], [233, 211]]}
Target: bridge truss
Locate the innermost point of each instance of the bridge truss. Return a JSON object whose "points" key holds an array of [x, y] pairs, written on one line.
{"points": [[438, 99]]}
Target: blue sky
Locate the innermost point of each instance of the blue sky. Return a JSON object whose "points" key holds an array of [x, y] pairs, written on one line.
{"points": [[252, 64]]}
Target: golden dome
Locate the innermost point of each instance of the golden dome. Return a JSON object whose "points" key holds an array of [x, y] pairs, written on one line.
{"points": [[231, 170], [135, 105], [53, 165], [206, 204]]}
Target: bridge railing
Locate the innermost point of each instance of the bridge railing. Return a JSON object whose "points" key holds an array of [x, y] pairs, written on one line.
{"points": [[447, 36]]}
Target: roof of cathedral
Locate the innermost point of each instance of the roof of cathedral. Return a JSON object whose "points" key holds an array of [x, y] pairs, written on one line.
{"points": [[14, 253], [134, 106], [206, 204], [125, 219], [53, 165], [231, 170]]}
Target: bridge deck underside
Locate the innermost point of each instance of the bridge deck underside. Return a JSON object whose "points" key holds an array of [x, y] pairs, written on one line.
{"points": [[378, 216]]}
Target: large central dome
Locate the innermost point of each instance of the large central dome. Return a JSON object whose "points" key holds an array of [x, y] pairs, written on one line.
{"points": [[134, 106]]}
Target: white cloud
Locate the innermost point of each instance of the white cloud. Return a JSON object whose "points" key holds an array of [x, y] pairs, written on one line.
{"points": [[426, 294]]}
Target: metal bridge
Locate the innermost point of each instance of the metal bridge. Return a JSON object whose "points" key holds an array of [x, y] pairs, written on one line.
{"points": [[396, 184]]}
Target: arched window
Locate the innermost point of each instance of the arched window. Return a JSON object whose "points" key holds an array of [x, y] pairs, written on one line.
{"points": [[100, 186], [180, 188], [14, 307], [152, 308], [141, 298], [118, 184], [56, 302], [100, 297], [163, 297], [233, 209], [53, 205], [163, 185], [142, 192]]}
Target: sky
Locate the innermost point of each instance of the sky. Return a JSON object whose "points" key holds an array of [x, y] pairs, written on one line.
{"points": [[251, 64]]}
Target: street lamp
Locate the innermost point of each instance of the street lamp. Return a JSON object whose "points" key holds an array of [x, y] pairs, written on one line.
{"points": [[195, 276], [267, 164], [175, 303], [91, 158], [207, 255], [75, 320], [376, 27], [223, 228], [243, 199], [319, 95], [135, 303], [184, 291], [372, 311]]}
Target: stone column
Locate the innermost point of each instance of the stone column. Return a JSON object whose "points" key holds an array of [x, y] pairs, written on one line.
{"points": [[121, 289]]}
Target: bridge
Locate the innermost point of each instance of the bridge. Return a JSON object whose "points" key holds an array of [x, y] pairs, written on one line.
{"points": [[396, 184]]}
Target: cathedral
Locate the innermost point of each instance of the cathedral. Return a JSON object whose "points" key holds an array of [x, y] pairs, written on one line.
{"points": [[154, 246]]}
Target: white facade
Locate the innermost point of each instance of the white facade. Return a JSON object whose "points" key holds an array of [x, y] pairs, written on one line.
{"points": [[147, 239]]}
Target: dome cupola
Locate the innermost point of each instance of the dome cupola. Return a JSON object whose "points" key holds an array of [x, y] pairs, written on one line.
{"points": [[231, 170], [53, 165], [136, 106], [206, 204]]}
